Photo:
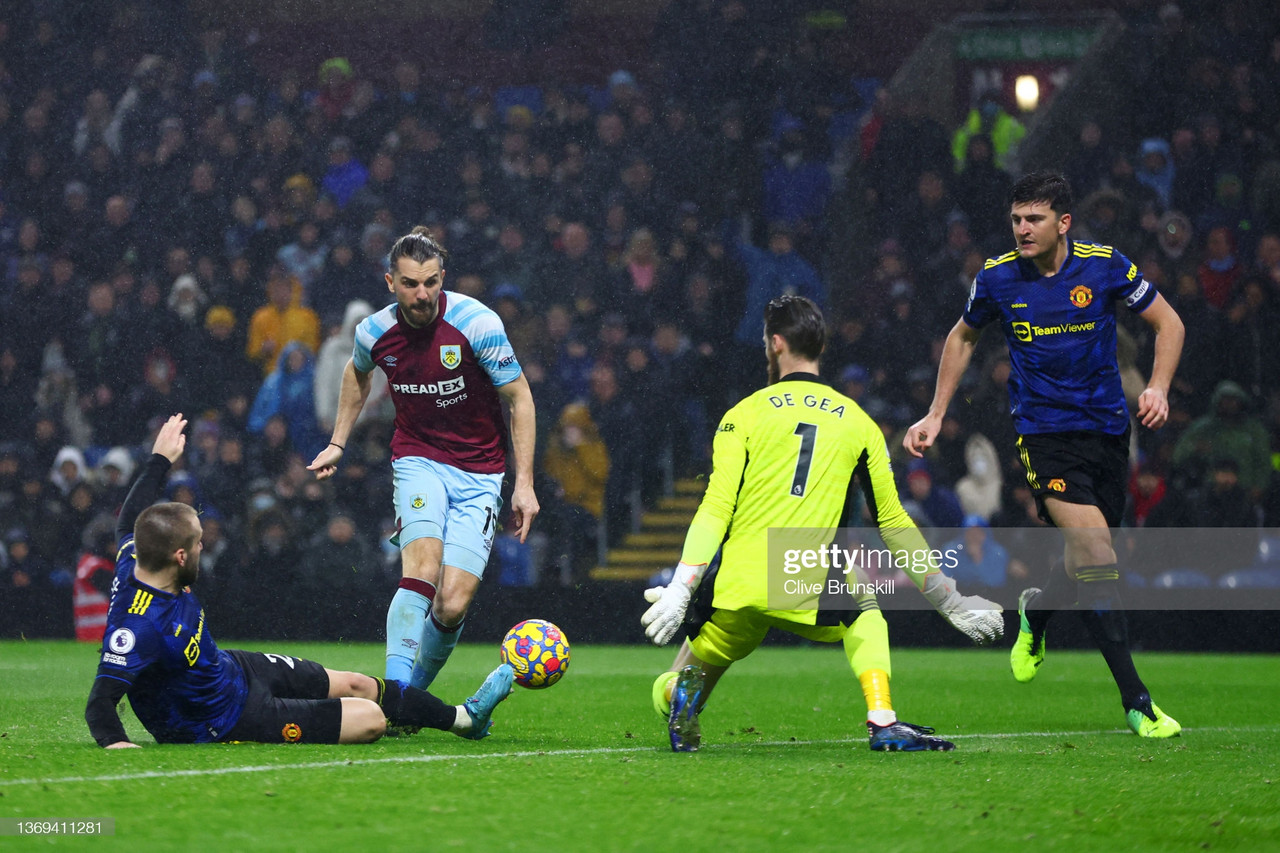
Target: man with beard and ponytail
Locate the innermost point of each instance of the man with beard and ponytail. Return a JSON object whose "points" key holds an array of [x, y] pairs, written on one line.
{"points": [[450, 366], [786, 459], [159, 651]]}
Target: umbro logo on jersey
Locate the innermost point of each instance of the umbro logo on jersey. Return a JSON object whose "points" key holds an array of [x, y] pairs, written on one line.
{"points": [[389, 361]]}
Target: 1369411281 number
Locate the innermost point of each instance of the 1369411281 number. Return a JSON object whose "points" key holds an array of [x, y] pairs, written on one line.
{"points": [[57, 826]]}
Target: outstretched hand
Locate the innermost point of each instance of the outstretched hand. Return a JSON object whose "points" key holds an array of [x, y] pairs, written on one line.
{"points": [[326, 462], [170, 442]]}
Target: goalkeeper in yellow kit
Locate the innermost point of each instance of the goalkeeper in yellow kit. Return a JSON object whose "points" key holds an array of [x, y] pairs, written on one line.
{"points": [[786, 458]]}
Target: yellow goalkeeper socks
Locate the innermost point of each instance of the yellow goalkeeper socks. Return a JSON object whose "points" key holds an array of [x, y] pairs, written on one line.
{"points": [[875, 688], [662, 687]]}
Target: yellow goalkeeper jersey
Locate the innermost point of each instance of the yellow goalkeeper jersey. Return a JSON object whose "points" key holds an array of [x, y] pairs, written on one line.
{"points": [[786, 458]]}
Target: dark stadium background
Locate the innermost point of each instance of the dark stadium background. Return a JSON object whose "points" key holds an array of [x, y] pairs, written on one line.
{"points": [[110, 312]]}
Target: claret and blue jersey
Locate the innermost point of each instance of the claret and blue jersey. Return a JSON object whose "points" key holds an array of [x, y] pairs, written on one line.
{"points": [[1061, 331], [443, 379], [184, 688]]}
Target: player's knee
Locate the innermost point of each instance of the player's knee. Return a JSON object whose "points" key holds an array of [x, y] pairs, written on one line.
{"points": [[362, 721], [450, 609]]}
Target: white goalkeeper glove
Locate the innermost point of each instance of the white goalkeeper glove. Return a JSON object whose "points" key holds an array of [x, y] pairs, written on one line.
{"points": [[974, 616], [663, 619]]}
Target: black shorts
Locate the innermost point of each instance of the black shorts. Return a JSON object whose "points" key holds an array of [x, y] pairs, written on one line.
{"points": [[1078, 467], [288, 701]]}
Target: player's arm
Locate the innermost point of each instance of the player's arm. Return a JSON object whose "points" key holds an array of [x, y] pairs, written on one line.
{"points": [[956, 355], [519, 399], [977, 618], [1153, 404], [100, 712], [146, 490], [706, 532], [351, 397]]}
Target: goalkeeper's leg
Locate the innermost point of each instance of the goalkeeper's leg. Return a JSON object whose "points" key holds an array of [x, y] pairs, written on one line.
{"points": [[866, 644], [680, 694], [665, 683]]}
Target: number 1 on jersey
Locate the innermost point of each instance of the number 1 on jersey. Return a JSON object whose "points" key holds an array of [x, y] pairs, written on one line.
{"points": [[808, 437]]}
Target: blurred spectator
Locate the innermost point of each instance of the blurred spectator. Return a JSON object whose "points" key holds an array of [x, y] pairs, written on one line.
{"points": [[575, 274], [1155, 170], [290, 391], [304, 258], [340, 579], [269, 451], [217, 364], [32, 606], [930, 503], [797, 184], [989, 118], [68, 470], [979, 558], [333, 358], [577, 462], [771, 273], [643, 287], [17, 394], [113, 476], [1088, 164], [1147, 489], [345, 175], [1228, 431], [615, 416], [982, 191], [1247, 352], [282, 321], [95, 571], [1220, 269]]}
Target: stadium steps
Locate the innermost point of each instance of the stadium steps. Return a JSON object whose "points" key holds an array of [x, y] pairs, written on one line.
{"points": [[656, 545]]}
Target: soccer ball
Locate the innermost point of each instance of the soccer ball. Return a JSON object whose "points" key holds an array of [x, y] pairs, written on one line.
{"points": [[538, 651]]}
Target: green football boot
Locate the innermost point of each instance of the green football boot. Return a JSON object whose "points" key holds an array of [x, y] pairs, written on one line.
{"points": [[1026, 655], [1161, 726]]}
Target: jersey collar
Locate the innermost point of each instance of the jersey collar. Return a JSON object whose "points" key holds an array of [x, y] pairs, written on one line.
{"points": [[800, 376], [1034, 274]]}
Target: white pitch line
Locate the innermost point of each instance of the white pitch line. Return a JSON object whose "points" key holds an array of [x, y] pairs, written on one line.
{"points": [[541, 753]]}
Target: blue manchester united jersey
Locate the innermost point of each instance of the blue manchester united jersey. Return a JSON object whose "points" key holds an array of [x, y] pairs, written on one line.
{"points": [[158, 641], [1061, 331]]}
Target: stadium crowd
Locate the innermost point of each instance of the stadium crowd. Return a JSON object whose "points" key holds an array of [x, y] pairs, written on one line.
{"points": [[187, 228]]}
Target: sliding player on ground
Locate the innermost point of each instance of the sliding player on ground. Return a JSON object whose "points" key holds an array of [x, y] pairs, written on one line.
{"points": [[160, 652]]}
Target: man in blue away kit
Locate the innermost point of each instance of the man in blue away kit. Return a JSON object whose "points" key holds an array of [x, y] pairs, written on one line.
{"points": [[159, 651], [1055, 301]]}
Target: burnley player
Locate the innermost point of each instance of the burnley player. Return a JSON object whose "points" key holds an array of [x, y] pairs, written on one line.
{"points": [[1055, 301], [449, 365], [159, 651]]}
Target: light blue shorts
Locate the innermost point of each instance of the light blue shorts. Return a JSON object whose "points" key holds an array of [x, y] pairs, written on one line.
{"points": [[438, 501]]}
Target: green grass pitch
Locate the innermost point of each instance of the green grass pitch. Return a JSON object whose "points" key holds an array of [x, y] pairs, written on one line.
{"points": [[584, 766]]}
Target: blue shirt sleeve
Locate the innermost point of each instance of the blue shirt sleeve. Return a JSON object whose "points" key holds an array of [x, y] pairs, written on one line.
{"points": [[1136, 291], [130, 648], [367, 333], [980, 309]]}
